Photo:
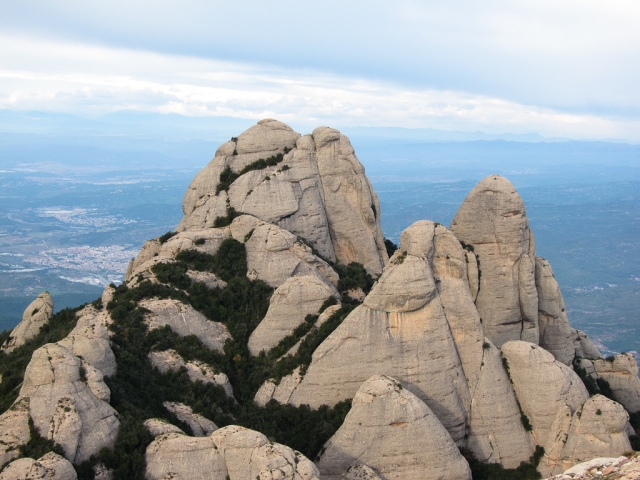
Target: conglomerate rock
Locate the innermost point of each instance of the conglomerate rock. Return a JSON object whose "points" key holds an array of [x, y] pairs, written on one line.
{"points": [[34, 317], [621, 373], [50, 466], [396, 434], [231, 452], [64, 408], [492, 219]]}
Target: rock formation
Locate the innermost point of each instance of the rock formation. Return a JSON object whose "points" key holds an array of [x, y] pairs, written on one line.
{"points": [[492, 220], [394, 433], [34, 317], [170, 360], [463, 341], [232, 452], [318, 191], [49, 466]]}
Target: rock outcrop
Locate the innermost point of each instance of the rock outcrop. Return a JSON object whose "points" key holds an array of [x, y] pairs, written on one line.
{"points": [[199, 425], [170, 360], [621, 373], [317, 191], [34, 317], [157, 426], [292, 301], [14, 430], [184, 321], [394, 433], [63, 406], [492, 220], [50, 466], [232, 452]]}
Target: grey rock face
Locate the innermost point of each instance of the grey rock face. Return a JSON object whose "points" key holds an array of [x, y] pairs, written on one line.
{"points": [[361, 472], [493, 220], [184, 320], [34, 317], [318, 192], [281, 392], [394, 433], [543, 386], [200, 426], [597, 429], [91, 343], [157, 426], [170, 360], [232, 452], [14, 429], [621, 372], [50, 466], [556, 335], [64, 408], [292, 301]]}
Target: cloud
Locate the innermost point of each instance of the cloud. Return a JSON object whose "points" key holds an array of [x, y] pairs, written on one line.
{"points": [[79, 78]]}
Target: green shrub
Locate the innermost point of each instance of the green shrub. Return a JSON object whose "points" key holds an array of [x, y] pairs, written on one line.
{"points": [[495, 471], [390, 246], [228, 176], [226, 220], [199, 241], [163, 238], [353, 276]]}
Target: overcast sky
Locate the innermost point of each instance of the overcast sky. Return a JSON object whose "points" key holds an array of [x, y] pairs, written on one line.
{"points": [[557, 68]]}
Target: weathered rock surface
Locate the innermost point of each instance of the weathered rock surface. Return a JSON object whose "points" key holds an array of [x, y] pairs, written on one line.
{"points": [[14, 429], [170, 360], [232, 452], [361, 472], [50, 466], [64, 408], [586, 348], [209, 279], [621, 372], [392, 431], [184, 321], [493, 220], [157, 426], [323, 317], [199, 425], [598, 429], [292, 301], [318, 192], [274, 254], [91, 343], [281, 392], [546, 389], [556, 335], [34, 317]]}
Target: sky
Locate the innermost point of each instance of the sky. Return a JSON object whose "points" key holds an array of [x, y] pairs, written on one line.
{"points": [[556, 68]]}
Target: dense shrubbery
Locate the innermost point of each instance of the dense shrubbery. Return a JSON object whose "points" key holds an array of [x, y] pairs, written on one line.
{"points": [[495, 471], [14, 364], [390, 246], [163, 238], [353, 276], [138, 390]]}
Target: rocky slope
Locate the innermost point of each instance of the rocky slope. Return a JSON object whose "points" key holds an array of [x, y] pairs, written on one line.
{"points": [[273, 329]]}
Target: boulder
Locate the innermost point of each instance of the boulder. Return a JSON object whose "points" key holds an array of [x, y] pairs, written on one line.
{"points": [[14, 429], [361, 472], [231, 452], [184, 321], [170, 360], [586, 348], [394, 433], [548, 391], [596, 429], [50, 466], [621, 372], [556, 335], [34, 317], [280, 392], [63, 406], [492, 219], [157, 426], [292, 301], [200, 426]]}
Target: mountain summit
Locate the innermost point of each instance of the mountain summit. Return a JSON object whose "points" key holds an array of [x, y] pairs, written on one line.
{"points": [[277, 335]]}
